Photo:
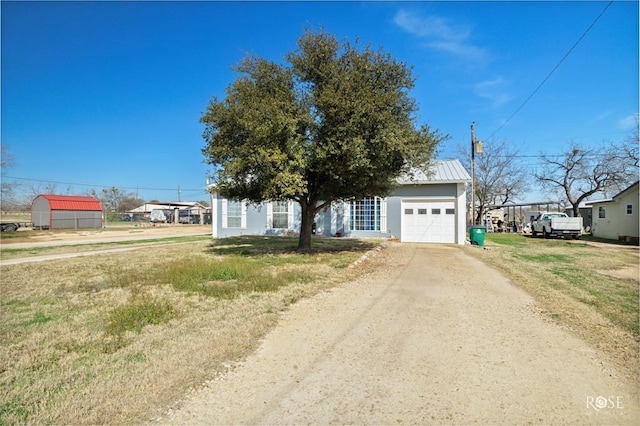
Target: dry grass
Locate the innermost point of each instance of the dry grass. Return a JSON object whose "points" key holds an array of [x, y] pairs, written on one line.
{"points": [[593, 289], [115, 338]]}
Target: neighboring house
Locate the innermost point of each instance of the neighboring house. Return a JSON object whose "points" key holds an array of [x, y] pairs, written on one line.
{"points": [[424, 208], [144, 211], [617, 218], [49, 211]]}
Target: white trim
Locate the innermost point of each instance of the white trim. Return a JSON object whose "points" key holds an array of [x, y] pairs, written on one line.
{"points": [[225, 204], [243, 215], [214, 215], [290, 218], [383, 215]]}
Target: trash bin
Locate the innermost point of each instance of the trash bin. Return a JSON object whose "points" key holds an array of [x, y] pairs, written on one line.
{"points": [[476, 235]]}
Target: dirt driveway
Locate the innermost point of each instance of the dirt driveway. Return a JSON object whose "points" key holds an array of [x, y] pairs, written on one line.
{"points": [[436, 337]]}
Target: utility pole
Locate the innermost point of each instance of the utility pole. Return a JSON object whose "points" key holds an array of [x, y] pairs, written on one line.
{"points": [[476, 145], [178, 193], [473, 174]]}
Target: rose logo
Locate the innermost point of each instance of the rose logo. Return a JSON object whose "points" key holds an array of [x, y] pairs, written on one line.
{"points": [[601, 402]]}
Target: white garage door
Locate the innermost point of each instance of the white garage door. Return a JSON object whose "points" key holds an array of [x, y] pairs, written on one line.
{"points": [[428, 221]]}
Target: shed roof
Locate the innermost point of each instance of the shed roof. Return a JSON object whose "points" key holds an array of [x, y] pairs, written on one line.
{"points": [[442, 171], [72, 202]]}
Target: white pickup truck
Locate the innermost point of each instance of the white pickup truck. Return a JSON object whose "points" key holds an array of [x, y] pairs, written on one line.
{"points": [[557, 224]]}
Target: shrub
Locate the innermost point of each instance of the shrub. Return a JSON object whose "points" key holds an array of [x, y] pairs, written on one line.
{"points": [[139, 311]]}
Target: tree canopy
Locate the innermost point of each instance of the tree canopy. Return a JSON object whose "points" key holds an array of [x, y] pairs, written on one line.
{"points": [[335, 122]]}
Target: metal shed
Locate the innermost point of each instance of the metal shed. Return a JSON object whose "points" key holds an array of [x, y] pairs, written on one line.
{"points": [[50, 211]]}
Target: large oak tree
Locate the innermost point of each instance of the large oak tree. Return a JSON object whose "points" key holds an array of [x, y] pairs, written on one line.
{"points": [[335, 122]]}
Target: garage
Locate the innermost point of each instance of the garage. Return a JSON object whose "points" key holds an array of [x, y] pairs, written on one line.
{"points": [[425, 221]]}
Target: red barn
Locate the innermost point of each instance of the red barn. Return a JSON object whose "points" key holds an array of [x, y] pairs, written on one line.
{"points": [[50, 211]]}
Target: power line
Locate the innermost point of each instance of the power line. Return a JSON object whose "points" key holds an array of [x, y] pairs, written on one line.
{"points": [[554, 68], [103, 186]]}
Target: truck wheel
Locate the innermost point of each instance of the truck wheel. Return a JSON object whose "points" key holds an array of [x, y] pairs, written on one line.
{"points": [[10, 227], [545, 234], [533, 233]]}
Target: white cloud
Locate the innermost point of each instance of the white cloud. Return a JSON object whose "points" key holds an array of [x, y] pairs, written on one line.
{"points": [[494, 91], [628, 122], [442, 35], [603, 115]]}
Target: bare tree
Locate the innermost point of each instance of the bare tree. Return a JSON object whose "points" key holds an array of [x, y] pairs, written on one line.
{"points": [[580, 173], [628, 153], [500, 178], [115, 200], [8, 189]]}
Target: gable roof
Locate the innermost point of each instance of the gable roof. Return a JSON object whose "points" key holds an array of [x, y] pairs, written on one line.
{"points": [[443, 171], [72, 202], [629, 188], [612, 199]]}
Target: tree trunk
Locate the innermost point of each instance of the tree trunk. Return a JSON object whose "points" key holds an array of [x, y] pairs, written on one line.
{"points": [[576, 210], [306, 227]]}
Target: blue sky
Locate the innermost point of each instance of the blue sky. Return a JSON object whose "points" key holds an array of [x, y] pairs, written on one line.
{"points": [[110, 93]]}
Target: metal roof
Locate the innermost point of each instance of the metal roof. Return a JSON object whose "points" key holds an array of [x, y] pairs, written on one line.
{"points": [[443, 171], [167, 205], [72, 202]]}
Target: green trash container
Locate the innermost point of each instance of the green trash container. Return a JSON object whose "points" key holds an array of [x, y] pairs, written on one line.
{"points": [[476, 235]]}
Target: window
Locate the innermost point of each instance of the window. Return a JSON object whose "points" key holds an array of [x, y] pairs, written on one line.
{"points": [[450, 211], [408, 211], [422, 211], [602, 214], [629, 208], [365, 214], [280, 215], [234, 214], [435, 211]]}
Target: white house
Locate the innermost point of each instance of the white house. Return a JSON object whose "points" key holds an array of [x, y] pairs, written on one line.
{"points": [[426, 207], [617, 218]]}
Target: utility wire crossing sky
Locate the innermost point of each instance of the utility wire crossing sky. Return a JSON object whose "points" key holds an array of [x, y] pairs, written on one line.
{"points": [[109, 94]]}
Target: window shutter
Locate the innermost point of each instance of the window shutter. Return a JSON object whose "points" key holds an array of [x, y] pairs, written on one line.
{"points": [[290, 215], [383, 215], [346, 209], [224, 212], [243, 212]]}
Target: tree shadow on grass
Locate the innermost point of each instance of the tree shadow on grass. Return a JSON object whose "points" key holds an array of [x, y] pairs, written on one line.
{"points": [[260, 245]]}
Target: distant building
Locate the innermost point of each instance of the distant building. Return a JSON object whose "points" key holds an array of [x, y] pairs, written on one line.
{"points": [[617, 218], [174, 210], [50, 211]]}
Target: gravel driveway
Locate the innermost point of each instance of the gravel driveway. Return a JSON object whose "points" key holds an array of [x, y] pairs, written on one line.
{"points": [[436, 337]]}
